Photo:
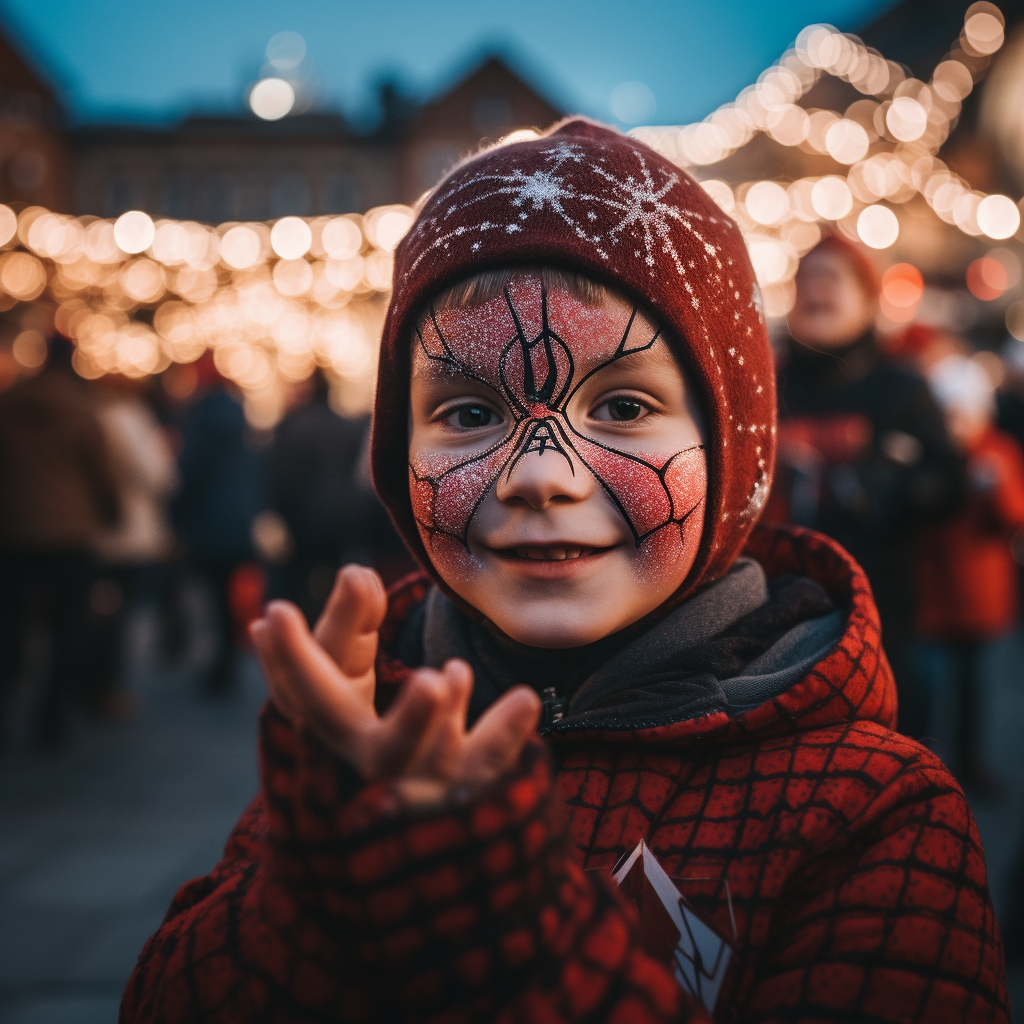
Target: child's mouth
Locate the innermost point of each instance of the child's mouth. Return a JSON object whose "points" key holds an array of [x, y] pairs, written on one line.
{"points": [[550, 552]]}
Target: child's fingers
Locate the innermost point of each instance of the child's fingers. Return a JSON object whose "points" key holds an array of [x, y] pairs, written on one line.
{"points": [[498, 738], [437, 752], [409, 725], [347, 629], [273, 671], [327, 700]]}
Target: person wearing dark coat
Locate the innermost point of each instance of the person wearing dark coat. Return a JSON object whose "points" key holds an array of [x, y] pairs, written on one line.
{"points": [[222, 491], [864, 454], [58, 492], [312, 471]]}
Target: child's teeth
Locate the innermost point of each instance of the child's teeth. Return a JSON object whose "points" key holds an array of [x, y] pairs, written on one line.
{"points": [[553, 554]]}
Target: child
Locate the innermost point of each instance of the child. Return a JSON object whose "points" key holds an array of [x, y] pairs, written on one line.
{"points": [[574, 434], [966, 573]]}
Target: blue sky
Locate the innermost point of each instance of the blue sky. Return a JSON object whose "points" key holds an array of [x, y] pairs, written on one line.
{"points": [[150, 61]]}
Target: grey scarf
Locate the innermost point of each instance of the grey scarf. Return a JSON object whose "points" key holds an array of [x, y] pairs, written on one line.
{"points": [[734, 645]]}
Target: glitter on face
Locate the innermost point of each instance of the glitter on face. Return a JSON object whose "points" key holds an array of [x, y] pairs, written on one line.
{"points": [[536, 349]]}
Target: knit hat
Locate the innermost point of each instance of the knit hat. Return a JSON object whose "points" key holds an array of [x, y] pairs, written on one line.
{"points": [[591, 200]]}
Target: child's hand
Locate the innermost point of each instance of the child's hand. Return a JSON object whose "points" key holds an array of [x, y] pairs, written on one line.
{"points": [[326, 681]]}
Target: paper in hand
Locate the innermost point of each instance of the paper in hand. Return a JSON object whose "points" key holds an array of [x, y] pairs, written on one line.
{"points": [[670, 930]]}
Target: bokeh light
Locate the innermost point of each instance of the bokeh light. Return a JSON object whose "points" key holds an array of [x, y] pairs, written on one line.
{"points": [[29, 350], [291, 238], [632, 103], [22, 275], [8, 224], [906, 118], [998, 216], [1015, 319], [341, 238], [984, 32], [831, 197], [878, 226], [986, 278], [240, 247], [134, 231], [286, 50], [846, 141], [766, 202], [272, 98], [721, 193], [901, 293]]}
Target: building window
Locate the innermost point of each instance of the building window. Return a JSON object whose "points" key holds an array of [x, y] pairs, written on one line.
{"points": [[289, 196]]}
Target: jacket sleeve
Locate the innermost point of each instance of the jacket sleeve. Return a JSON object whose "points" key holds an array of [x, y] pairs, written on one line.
{"points": [[902, 929], [335, 901]]}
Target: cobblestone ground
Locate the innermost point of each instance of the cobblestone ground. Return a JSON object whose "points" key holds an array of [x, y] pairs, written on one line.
{"points": [[94, 841]]}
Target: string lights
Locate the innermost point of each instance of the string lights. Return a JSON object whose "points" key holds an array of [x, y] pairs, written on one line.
{"points": [[272, 301], [888, 139]]}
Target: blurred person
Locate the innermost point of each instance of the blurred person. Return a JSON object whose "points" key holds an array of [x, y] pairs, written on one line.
{"points": [[966, 572], [864, 455], [312, 470], [132, 555], [222, 491], [57, 495]]}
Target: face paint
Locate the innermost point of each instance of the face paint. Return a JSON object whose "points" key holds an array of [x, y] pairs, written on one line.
{"points": [[536, 350]]}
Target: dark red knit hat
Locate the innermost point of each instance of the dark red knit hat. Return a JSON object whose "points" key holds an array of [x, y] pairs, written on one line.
{"points": [[587, 198]]}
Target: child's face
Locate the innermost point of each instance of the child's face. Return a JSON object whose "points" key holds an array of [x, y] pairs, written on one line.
{"points": [[557, 468], [831, 308]]}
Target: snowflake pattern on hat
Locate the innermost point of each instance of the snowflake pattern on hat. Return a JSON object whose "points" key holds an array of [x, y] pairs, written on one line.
{"points": [[629, 208]]}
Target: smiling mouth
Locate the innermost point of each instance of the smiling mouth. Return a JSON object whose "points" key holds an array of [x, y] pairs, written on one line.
{"points": [[551, 552]]}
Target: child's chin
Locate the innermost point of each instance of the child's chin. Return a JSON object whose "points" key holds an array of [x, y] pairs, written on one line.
{"points": [[556, 624]]}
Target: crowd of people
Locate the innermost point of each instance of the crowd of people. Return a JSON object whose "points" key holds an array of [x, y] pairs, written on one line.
{"points": [[118, 494]]}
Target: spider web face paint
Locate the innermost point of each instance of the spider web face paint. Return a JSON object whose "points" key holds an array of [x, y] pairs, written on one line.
{"points": [[527, 346]]}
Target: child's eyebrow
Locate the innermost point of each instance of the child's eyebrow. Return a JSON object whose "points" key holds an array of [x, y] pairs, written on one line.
{"points": [[431, 369]]}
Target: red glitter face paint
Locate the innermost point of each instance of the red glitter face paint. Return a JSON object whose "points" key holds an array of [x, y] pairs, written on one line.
{"points": [[536, 350]]}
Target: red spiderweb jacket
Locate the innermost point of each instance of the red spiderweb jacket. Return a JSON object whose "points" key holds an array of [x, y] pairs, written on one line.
{"points": [[856, 874]]}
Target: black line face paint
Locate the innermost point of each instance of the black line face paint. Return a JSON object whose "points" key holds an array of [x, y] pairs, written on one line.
{"points": [[528, 347]]}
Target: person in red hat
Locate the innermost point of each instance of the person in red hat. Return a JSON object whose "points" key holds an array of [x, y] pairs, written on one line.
{"points": [[574, 434], [864, 455]]}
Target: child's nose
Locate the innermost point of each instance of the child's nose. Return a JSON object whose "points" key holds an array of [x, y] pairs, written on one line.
{"points": [[544, 475]]}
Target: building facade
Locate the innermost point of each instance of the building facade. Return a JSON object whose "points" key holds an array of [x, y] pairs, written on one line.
{"points": [[217, 169]]}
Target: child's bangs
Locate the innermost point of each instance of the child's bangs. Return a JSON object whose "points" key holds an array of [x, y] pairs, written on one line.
{"points": [[486, 285]]}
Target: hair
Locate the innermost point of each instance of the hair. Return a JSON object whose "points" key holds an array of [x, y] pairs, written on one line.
{"points": [[485, 285], [859, 262]]}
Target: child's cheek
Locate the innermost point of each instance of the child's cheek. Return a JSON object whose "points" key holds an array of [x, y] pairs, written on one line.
{"points": [[665, 557], [452, 560]]}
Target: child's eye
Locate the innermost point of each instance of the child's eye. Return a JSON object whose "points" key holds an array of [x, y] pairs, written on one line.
{"points": [[472, 417], [620, 409]]}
